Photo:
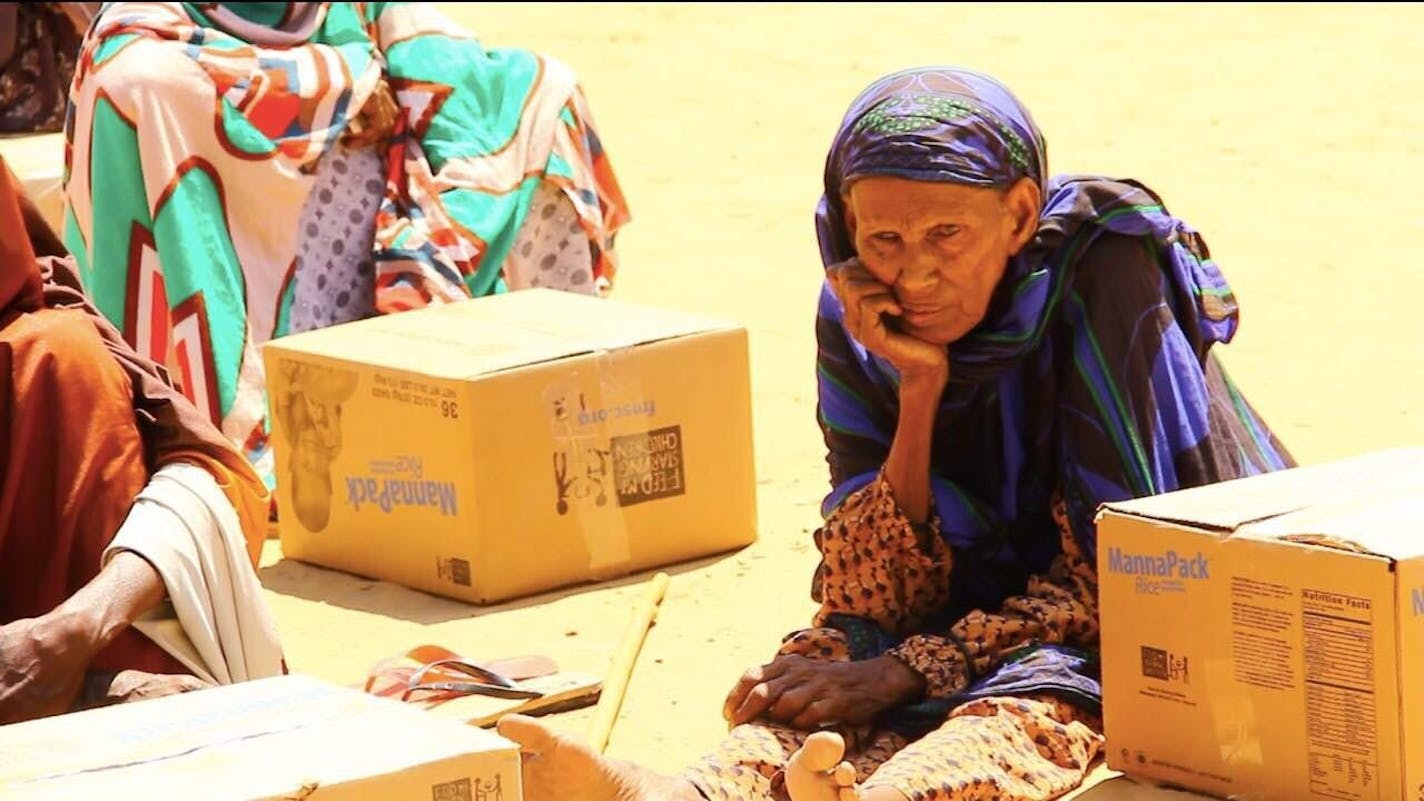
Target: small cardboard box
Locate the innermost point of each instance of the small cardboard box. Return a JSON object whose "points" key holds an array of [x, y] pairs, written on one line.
{"points": [[508, 445], [1264, 638], [284, 738], [38, 161]]}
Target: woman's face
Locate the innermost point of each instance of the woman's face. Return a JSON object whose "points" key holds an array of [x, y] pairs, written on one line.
{"points": [[940, 247]]}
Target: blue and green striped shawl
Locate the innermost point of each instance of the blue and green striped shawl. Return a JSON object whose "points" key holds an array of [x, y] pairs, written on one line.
{"points": [[1091, 376]]}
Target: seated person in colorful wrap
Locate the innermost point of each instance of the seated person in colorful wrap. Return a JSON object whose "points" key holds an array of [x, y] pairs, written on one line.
{"points": [[1000, 352]]}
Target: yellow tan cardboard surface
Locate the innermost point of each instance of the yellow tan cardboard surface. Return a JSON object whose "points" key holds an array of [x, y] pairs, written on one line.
{"points": [[1264, 638], [38, 161], [512, 444], [291, 737]]}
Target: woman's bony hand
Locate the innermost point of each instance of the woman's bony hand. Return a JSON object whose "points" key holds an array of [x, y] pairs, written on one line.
{"points": [[41, 668], [869, 305], [808, 693]]}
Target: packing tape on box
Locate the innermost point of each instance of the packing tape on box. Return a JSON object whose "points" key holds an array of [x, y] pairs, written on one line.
{"points": [[594, 466]]}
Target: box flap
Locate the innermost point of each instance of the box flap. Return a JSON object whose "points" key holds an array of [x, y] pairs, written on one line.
{"points": [[1387, 523], [300, 731], [1231, 504], [500, 332]]}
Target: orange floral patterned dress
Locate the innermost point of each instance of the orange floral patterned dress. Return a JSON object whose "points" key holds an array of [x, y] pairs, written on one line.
{"points": [[876, 566]]}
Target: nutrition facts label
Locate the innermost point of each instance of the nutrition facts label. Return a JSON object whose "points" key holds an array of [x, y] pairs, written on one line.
{"points": [[1262, 620], [1339, 676]]}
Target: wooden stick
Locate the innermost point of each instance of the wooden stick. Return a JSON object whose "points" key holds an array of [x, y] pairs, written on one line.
{"points": [[615, 686]]}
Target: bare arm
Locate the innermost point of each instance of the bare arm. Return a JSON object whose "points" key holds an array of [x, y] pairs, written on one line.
{"points": [[923, 369], [43, 660], [907, 468], [124, 590]]}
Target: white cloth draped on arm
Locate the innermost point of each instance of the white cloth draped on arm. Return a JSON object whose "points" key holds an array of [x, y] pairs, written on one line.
{"points": [[216, 621]]}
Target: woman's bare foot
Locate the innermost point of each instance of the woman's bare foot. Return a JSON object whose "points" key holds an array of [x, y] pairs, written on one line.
{"points": [[557, 767], [818, 772]]}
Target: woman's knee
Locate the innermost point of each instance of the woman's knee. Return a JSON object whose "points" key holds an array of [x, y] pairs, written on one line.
{"points": [[58, 351], [75, 400], [150, 73], [72, 431]]}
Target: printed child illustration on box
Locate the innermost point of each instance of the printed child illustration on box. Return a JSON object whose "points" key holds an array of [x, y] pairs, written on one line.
{"points": [[310, 412], [582, 477], [581, 461]]}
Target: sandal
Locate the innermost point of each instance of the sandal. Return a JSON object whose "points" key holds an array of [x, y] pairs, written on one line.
{"points": [[479, 693]]}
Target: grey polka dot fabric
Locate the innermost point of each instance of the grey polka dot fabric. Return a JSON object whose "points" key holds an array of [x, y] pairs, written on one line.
{"points": [[335, 277], [551, 249]]}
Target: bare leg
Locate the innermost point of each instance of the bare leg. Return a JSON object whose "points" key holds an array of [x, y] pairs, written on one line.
{"points": [[560, 768]]}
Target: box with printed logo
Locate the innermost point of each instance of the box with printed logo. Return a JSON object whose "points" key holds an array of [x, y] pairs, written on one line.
{"points": [[1264, 638], [277, 739], [509, 445]]}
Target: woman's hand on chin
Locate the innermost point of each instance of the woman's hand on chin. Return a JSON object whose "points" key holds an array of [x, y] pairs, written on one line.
{"points": [[871, 312]]}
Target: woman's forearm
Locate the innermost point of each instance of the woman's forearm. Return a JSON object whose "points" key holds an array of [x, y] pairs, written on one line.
{"points": [[101, 610], [907, 468]]}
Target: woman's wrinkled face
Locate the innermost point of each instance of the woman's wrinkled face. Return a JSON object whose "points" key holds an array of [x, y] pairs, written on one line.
{"points": [[940, 247]]}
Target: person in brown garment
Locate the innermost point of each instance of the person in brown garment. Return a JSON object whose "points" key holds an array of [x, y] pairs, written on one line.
{"points": [[88, 426]]}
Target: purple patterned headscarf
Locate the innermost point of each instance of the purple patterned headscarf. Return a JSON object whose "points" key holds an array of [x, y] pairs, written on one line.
{"points": [[928, 124], [954, 125]]}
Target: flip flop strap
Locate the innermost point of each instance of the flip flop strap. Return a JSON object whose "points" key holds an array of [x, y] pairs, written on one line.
{"points": [[461, 666], [471, 688]]}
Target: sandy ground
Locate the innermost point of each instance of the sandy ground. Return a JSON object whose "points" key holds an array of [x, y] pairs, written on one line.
{"points": [[1289, 135]]}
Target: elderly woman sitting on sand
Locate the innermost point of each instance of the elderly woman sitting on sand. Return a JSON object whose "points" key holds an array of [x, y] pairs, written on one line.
{"points": [[999, 353]]}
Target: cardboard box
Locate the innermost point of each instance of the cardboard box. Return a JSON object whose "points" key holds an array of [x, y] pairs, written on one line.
{"points": [[513, 444], [38, 161], [285, 738], [1264, 638]]}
